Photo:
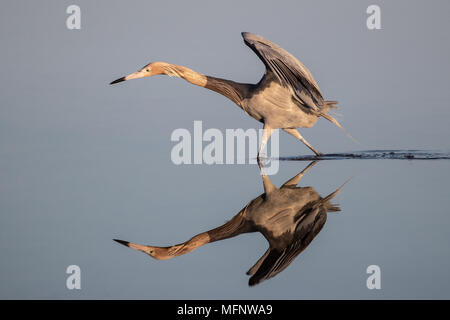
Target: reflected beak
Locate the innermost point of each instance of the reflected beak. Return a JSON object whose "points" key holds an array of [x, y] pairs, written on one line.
{"points": [[135, 75], [139, 247]]}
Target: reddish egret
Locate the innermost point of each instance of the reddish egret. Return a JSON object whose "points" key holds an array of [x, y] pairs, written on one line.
{"points": [[289, 217], [287, 96]]}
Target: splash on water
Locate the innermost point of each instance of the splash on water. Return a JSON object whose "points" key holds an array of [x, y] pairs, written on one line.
{"points": [[376, 154]]}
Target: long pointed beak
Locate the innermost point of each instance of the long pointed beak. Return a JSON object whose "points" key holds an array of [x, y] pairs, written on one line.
{"points": [[146, 249], [139, 247], [134, 75]]}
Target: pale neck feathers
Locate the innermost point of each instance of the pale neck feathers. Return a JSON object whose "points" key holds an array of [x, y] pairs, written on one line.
{"points": [[230, 89]]}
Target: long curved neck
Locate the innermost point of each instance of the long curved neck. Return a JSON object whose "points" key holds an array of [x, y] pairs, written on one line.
{"points": [[230, 89], [185, 247], [236, 226]]}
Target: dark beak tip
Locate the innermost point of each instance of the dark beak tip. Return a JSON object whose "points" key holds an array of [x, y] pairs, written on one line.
{"points": [[125, 243], [118, 80]]}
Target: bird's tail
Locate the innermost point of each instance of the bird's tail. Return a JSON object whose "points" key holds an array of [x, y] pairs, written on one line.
{"points": [[328, 205], [332, 105]]}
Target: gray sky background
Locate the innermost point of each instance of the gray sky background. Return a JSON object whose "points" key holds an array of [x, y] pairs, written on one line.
{"points": [[82, 162]]}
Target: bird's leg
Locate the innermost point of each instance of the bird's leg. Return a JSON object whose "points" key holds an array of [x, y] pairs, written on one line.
{"points": [[295, 133], [268, 185], [265, 137], [296, 179]]}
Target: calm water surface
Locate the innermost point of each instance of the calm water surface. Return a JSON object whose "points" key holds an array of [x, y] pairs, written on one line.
{"points": [[393, 214]]}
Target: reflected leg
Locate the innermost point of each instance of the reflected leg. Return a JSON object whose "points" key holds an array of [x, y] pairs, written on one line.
{"points": [[296, 179]]}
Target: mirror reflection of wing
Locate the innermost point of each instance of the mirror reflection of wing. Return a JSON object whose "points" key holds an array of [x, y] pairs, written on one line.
{"points": [[300, 216], [289, 217], [285, 248]]}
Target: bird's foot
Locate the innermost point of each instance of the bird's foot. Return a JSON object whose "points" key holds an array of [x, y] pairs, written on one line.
{"points": [[263, 160], [318, 154]]}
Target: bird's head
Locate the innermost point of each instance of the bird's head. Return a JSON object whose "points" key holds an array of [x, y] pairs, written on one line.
{"points": [[158, 253], [151, 69]]}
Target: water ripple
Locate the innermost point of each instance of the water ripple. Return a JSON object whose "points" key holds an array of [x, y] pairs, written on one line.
{"points": [[376, 154]]}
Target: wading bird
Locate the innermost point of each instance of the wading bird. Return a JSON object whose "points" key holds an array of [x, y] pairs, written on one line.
{"points": [[289, 218], [285, 98]]}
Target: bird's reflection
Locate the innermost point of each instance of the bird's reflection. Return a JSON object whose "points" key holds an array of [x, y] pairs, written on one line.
{"points": [[289, 217]]}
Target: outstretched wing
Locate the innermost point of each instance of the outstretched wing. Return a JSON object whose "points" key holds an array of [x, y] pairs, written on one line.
{"points": [[290, 72], [276, 260]]}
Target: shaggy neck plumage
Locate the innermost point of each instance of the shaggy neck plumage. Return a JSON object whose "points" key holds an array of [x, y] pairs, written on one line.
{"points": [[230, 89]]}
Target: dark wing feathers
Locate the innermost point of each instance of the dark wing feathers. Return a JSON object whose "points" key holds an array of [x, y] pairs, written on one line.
{"points": [[279, 259], [290, 72]]}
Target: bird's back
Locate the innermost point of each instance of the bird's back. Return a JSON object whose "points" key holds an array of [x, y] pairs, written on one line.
{"points": [[274, 215], [271, 103]]}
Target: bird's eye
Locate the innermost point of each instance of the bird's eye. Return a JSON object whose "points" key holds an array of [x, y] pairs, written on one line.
{"points": [[148, 70]]}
